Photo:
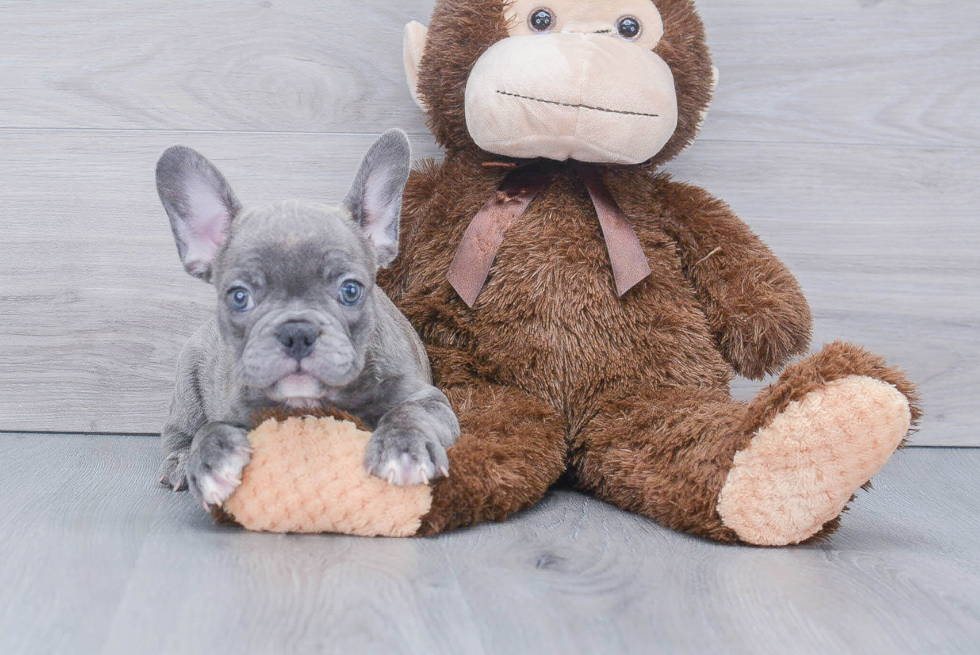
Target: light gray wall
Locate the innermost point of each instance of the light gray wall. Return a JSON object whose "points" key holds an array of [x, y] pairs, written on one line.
{"points": [[847, 133]]}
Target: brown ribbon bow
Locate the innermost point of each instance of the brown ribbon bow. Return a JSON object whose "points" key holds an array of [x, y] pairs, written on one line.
{"points": [[481, 242]]}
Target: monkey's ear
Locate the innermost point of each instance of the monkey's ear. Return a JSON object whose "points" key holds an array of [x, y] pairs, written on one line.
{"points": [[414, 48], [714, 85], [704, 112]]}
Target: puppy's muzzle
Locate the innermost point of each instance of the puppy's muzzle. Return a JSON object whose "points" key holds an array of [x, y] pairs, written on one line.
{"points": [[298, 338]]}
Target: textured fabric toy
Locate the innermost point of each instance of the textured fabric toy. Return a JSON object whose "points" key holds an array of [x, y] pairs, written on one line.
{"points": [[585, 314], [307, 475], [560, 351]]}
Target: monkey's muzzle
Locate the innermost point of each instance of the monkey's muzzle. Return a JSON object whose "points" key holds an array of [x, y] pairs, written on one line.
{"points": [[589, 97]]}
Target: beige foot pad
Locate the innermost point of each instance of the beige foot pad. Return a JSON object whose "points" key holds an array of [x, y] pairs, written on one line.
{"points": [[307, 475], [800, 471]]}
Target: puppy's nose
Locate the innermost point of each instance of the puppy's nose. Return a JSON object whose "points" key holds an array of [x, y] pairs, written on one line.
{"points": [[297, 338]]}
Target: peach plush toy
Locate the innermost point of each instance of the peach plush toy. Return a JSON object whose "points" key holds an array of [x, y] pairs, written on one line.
{"points": [[307, 475]]}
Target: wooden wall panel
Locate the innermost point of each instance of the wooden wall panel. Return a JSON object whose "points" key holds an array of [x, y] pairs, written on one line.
{"points": [[851, 71], [845, 133]]}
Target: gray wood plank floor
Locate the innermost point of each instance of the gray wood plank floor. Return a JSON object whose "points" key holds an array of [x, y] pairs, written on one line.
{"points": [[845, 132], [96, 558]]}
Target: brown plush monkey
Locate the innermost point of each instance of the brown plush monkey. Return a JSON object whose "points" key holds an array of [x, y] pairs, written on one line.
{"points": [[585, 313]]}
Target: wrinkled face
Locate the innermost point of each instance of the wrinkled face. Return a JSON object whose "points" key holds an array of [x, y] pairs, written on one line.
{"points": [[295, 289], [574, 80], [295, 281]]}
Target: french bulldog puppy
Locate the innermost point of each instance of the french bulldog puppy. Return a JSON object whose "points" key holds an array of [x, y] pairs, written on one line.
{"points": [[300, 324]]}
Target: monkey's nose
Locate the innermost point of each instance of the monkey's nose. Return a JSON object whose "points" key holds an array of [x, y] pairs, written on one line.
{"points": [[297, 338]]}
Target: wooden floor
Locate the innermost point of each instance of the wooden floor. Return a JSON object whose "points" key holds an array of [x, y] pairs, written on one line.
{"points": [[95, 558]]}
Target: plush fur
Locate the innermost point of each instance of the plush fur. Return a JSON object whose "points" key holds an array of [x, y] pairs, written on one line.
{"points": [[798, 472], [308, 475], [550, 371], [462, 30]]}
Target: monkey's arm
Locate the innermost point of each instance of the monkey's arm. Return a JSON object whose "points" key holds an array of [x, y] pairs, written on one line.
{"points": [[753, 303]]}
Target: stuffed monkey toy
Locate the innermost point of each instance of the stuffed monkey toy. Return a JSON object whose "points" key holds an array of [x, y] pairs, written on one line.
{"points": [[584, 313]]}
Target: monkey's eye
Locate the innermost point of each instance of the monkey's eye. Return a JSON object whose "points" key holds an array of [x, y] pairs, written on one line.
{"points": [[628, 27], [351, 292], [240, 299], [541, 20]]}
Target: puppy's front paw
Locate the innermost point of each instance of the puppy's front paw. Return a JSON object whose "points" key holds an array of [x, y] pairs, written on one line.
{"points": [[214, 468], [173, 471], [405, 457]]}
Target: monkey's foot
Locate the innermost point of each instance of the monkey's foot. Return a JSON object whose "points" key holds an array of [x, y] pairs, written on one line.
{"points": [[800, 471]]}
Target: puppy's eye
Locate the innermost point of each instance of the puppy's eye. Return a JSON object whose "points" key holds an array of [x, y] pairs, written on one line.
{"points": [[240, 299], [541, 19], [628, 27], [351, 292]]}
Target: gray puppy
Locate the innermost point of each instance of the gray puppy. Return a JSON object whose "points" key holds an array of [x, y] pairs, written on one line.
{"points": [[300, 325]]}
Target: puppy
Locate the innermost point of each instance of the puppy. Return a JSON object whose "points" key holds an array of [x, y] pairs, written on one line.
{"points": [[300, 325]]}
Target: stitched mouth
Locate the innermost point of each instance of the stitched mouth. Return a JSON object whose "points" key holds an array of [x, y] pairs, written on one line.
{"points": [[578, 106]]}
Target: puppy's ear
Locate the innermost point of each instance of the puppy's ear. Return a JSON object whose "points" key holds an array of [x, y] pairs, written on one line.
{"points": [[200, 204], [375, 199]]}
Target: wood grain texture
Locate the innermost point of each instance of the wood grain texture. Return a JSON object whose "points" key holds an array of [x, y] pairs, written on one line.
{"points": [[256, 65], [95, 558], [901, 72], [841, 71], [97, 307], [844, 132]]}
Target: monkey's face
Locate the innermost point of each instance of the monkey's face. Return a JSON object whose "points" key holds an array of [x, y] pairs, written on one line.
{"points": [[602, 81], [574, 80]]}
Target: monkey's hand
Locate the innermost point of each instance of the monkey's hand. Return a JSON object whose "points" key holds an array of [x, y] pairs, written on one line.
{"points": [[754, 305], [760, 320]]}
